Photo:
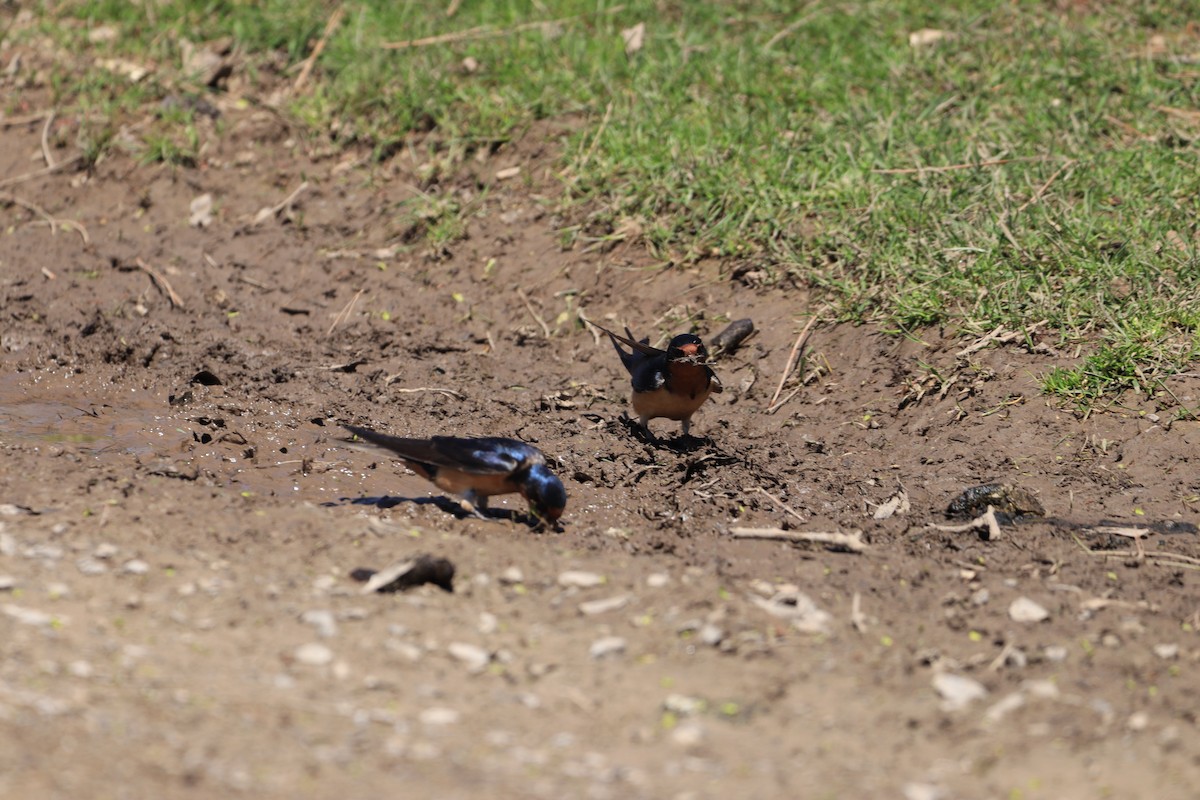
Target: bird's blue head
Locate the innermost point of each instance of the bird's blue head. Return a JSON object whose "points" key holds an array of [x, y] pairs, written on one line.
{"points": [[545, 493], [687, 346]]}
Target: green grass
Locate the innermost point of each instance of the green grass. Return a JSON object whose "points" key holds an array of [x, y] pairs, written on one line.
{"points": [[770, 135]]}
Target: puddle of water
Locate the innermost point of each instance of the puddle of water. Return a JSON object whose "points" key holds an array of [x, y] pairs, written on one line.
{"points": [[36, 411]]}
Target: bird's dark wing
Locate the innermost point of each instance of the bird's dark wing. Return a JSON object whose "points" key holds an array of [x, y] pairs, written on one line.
{"points": [[485, 456], [641, 349], [649, 374]]}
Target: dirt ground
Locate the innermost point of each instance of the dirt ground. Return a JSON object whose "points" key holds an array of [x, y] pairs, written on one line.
{"points": [[180, 516]]}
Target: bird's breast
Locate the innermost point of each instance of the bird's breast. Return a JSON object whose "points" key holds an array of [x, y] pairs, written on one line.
{"points": [[455, 481]]}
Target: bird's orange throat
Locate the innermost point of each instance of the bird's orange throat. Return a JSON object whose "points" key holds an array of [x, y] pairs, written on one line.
{"points": [[689, 379]]}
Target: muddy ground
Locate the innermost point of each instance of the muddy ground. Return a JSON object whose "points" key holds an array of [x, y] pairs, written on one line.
{"points": [[181, 516]]}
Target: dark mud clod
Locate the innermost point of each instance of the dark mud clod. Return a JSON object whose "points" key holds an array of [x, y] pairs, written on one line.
{"points": [[205, 378], [407, 574], [732, 337], [1005, 498]]}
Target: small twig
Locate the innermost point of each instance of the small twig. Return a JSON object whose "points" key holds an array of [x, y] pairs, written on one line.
{"points": [[1042, 190], [452, 9], [529, 307], [161, 282], [788, 31], [334, 20], [591, 326], [46, 154], [266, 213], [784, 401], [781, 504], [999, 336], [849, 541], [49, 273], [484, 32], [418, 389], [344, 314], [596, 139], [857, 618], [986, 522], [53, 222], [950, 168], [12, 122], [37, 173], [791, 362]]}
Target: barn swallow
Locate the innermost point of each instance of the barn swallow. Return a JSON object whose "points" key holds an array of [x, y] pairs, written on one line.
{"points": [[669, 383], [476, 469]]}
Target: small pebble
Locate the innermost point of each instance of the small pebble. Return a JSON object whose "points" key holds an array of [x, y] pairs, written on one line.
{"points": [[135, 567], [594, 607], [321, 619], [1055, 653], [658, 580], [7, 583], [314, 654], [1138, 721], [922, 791], [91, 566], [580, 579], [1166, 652], [105, 550], [957, 691], [488, 624], [27, 616], [1025, 610], [711, 635], [1111, 641], [688, 734], [440, 716], [324, 583], [607, 647], [81, 669], [512, 575], [475, 657], [57, 590], [980, 597], [683, 705]]}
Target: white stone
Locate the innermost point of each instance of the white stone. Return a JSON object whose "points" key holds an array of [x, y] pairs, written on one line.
{"points": [[314, 654], [580, 579], [475, 657], [322, 620], [607, 647], [957, 691], [440, 716], [1167, 652], [1025, 610], [658, 580], [594, 607]]}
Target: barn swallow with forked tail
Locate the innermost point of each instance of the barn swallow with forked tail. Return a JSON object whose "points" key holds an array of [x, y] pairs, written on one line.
{"points": [[671, 383], [476, 469]]}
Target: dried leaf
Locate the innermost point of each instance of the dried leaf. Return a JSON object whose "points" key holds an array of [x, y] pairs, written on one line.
{"points": [[634, 38]]}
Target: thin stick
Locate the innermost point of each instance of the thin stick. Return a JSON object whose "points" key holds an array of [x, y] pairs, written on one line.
{"points": [[485, 32], [785, 401], [788, 31], [850, 541], [161, 282], [37, 173], [857, 618], [1042, 190], [12, 122], [53, 222], [998, 335], [994, 163], [452, 9], [330, 25], [418, 389], [46, 154], [532, 312], [591, 326], [791, 362], [986, 522], [266, 213], [344, 314], [596, 139], [781, 504]]}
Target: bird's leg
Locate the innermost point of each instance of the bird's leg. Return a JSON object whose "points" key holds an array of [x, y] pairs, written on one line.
{"points": [[687, 426], [472, 503]]}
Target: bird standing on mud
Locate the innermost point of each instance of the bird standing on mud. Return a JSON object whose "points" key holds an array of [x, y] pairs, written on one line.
{"points": [[671, 383], [476, 469]]}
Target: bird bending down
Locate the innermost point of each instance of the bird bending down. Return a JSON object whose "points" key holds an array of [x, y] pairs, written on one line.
{"points": [[475, 469], [671, 383]]}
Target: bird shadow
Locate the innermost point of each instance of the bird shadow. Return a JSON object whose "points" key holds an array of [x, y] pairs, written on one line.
{"points": [[447, 505], [679, 444]]}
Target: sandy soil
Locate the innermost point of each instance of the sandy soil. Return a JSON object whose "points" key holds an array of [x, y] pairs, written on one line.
{"points": [[181, 517]]}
